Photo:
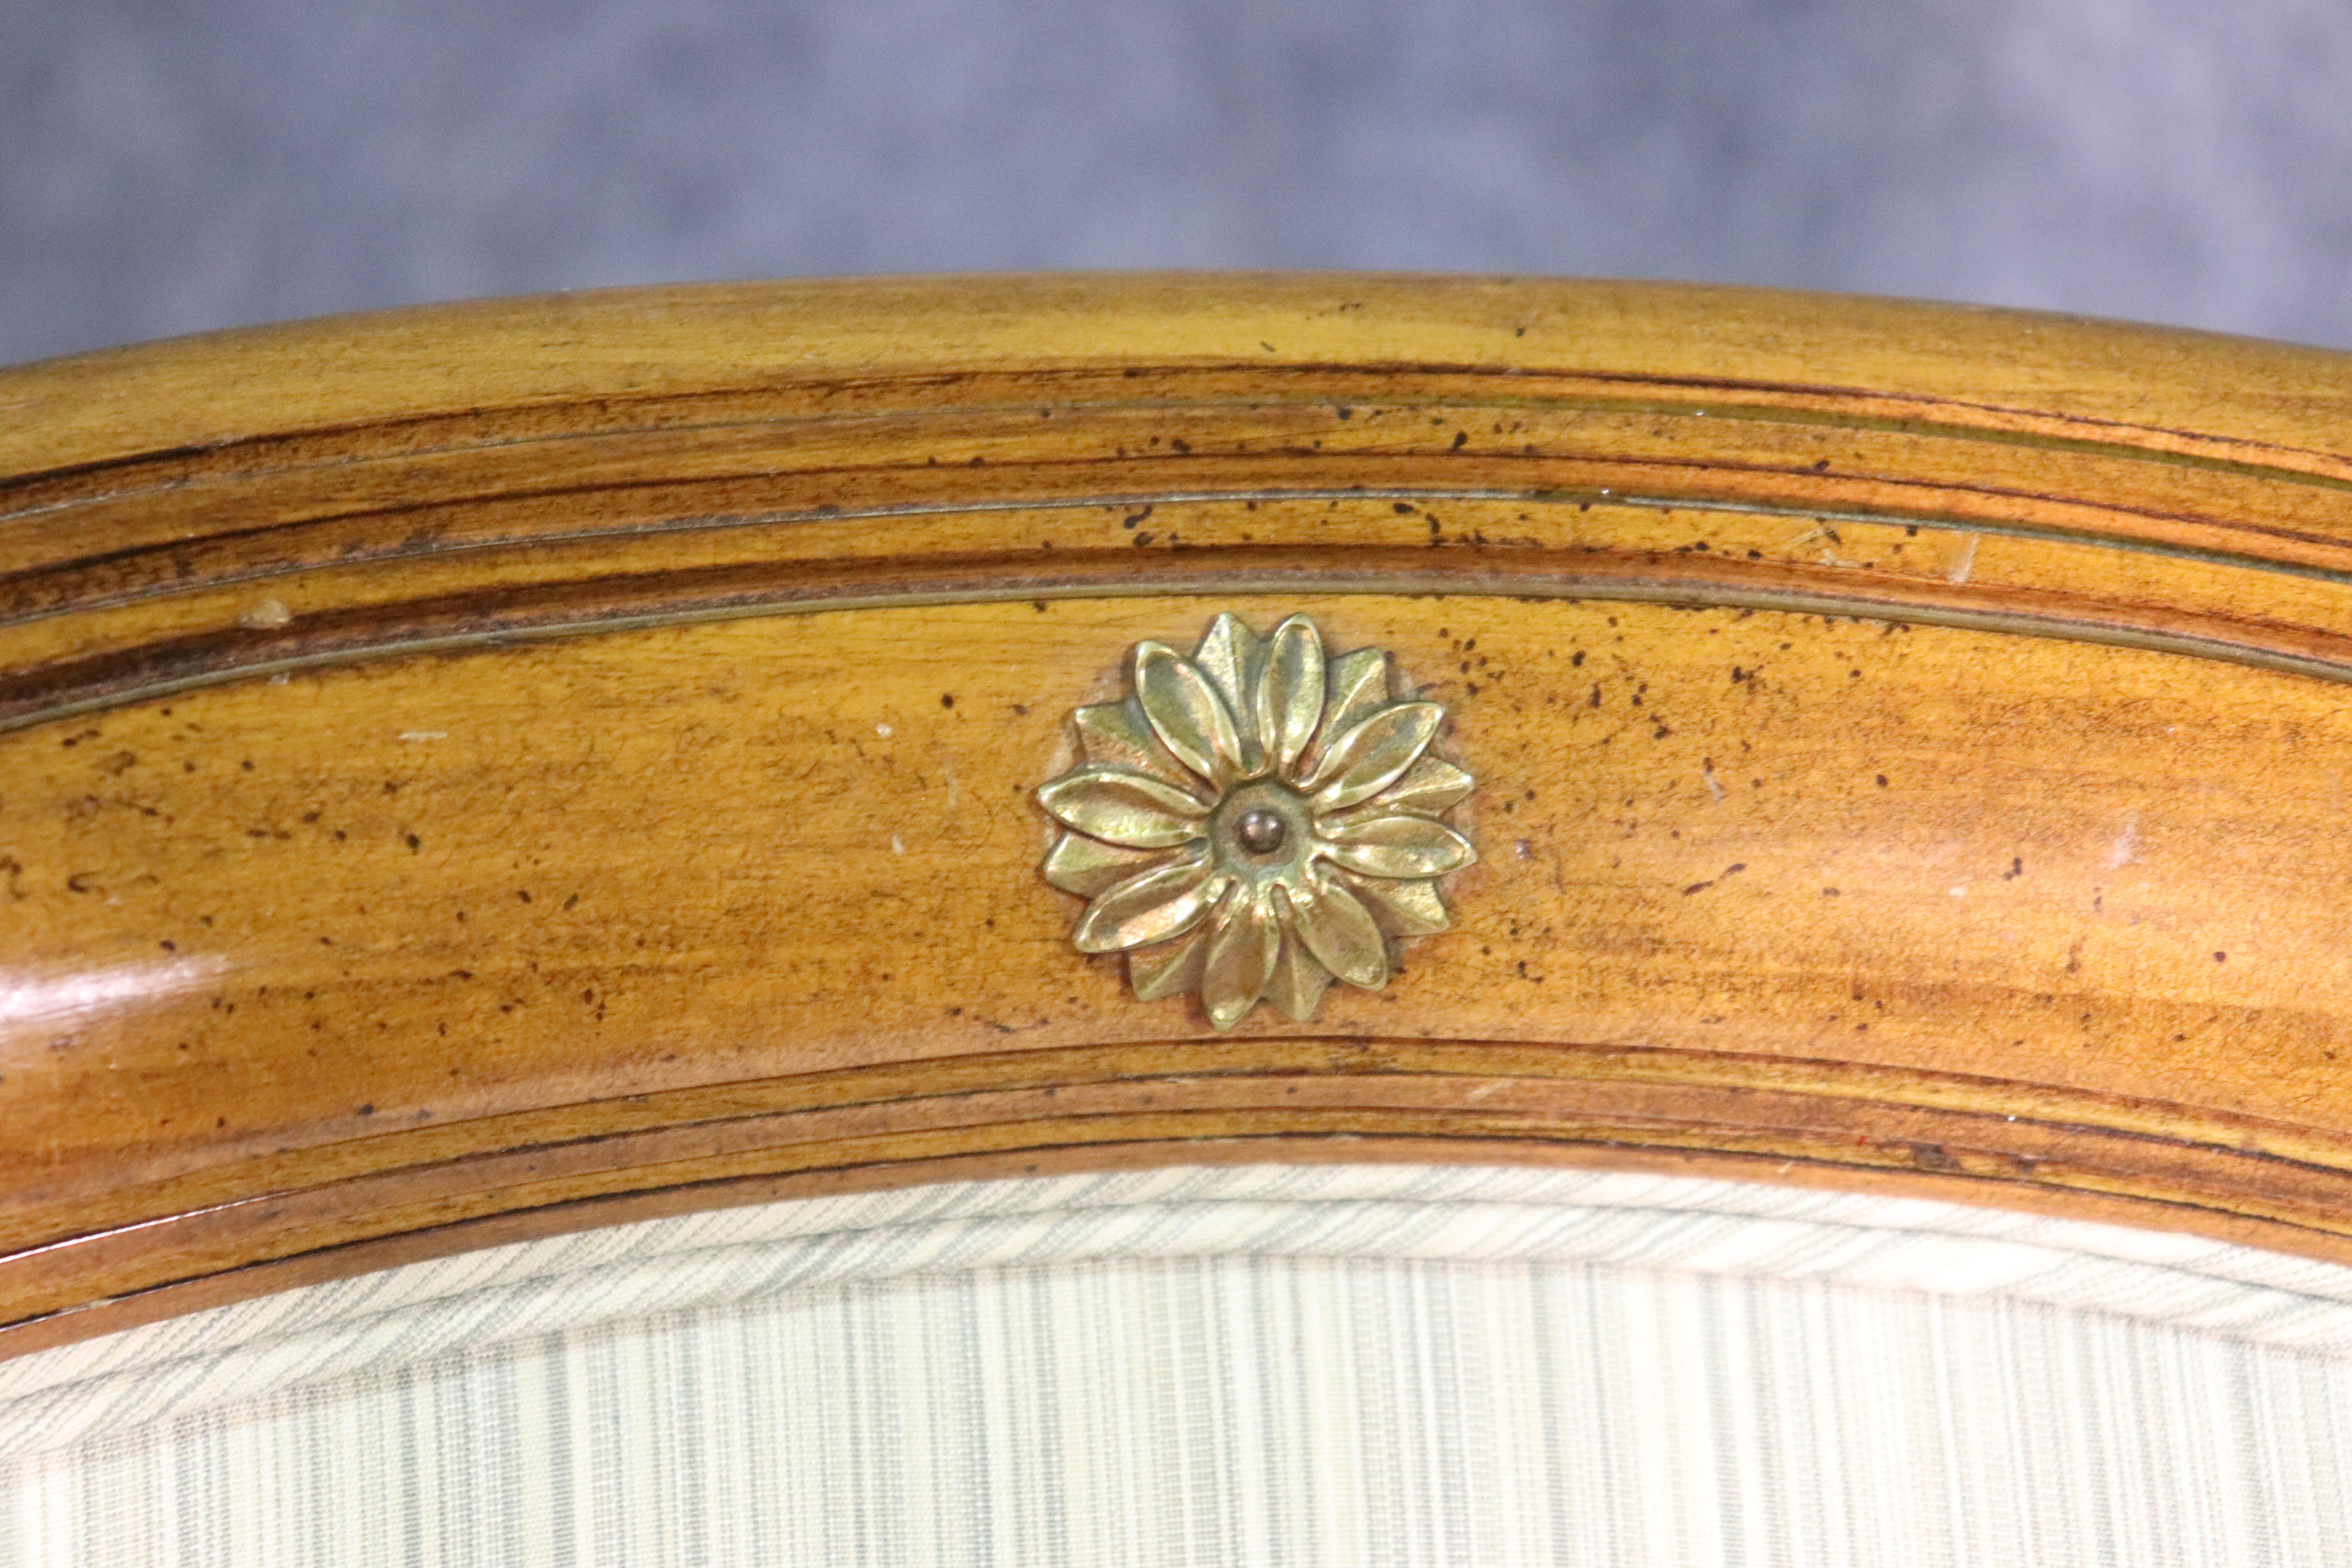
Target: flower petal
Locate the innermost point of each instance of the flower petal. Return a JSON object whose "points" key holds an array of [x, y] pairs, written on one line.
{"points": [[1186, 714], [1397, 846], [1335, 929], [1359, 683], [1430, 784], [1289, 695], [1169, 968], [1119, 805], [1115, 734], [1298, 983], [1086, 867], [1408, 907], [1367, 759], [1229, 654], [1241, 951], [1151, 906]]}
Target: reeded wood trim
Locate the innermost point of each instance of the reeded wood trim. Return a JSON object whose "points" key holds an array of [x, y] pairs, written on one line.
{"points": [[509, 765]]}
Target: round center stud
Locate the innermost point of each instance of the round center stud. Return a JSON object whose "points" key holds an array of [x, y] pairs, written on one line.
{"points": [[1261, 831]]}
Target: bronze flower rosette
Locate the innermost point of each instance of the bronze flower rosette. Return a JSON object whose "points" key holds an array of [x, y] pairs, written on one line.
{"points": [[1256, 820]]}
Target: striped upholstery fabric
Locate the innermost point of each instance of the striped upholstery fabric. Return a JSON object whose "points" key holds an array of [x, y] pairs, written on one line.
{"points": [[1337, 1364]]}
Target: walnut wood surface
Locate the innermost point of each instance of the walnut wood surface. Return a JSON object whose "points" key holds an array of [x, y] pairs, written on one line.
{"points": [[489, 769]]}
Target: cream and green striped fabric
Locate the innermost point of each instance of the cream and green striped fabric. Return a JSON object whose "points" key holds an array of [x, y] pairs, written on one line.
{"points": [[1337, 1364]]}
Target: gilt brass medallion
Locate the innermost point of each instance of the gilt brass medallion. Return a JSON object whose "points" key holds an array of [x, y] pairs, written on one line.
{"points": [[1253, 821]]}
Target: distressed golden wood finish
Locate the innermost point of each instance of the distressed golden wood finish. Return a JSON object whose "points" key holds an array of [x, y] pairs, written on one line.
{"points": [[481, 770]]}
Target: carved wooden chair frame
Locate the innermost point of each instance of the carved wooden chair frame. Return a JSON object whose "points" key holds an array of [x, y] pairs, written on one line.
{"points": [[482, 771]]}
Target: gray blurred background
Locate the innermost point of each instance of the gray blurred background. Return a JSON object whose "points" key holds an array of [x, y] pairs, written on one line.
{"points": [[167, 166]]}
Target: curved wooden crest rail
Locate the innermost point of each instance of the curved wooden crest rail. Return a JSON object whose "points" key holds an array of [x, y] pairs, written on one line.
{"points": [[479, 771]]}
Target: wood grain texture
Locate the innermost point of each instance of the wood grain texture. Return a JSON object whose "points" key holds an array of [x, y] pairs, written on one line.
{"points": [[519, 765]]}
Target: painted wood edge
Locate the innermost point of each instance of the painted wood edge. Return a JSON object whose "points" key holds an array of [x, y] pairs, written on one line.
{"points": [[334, 371], [1833, 1123]]}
